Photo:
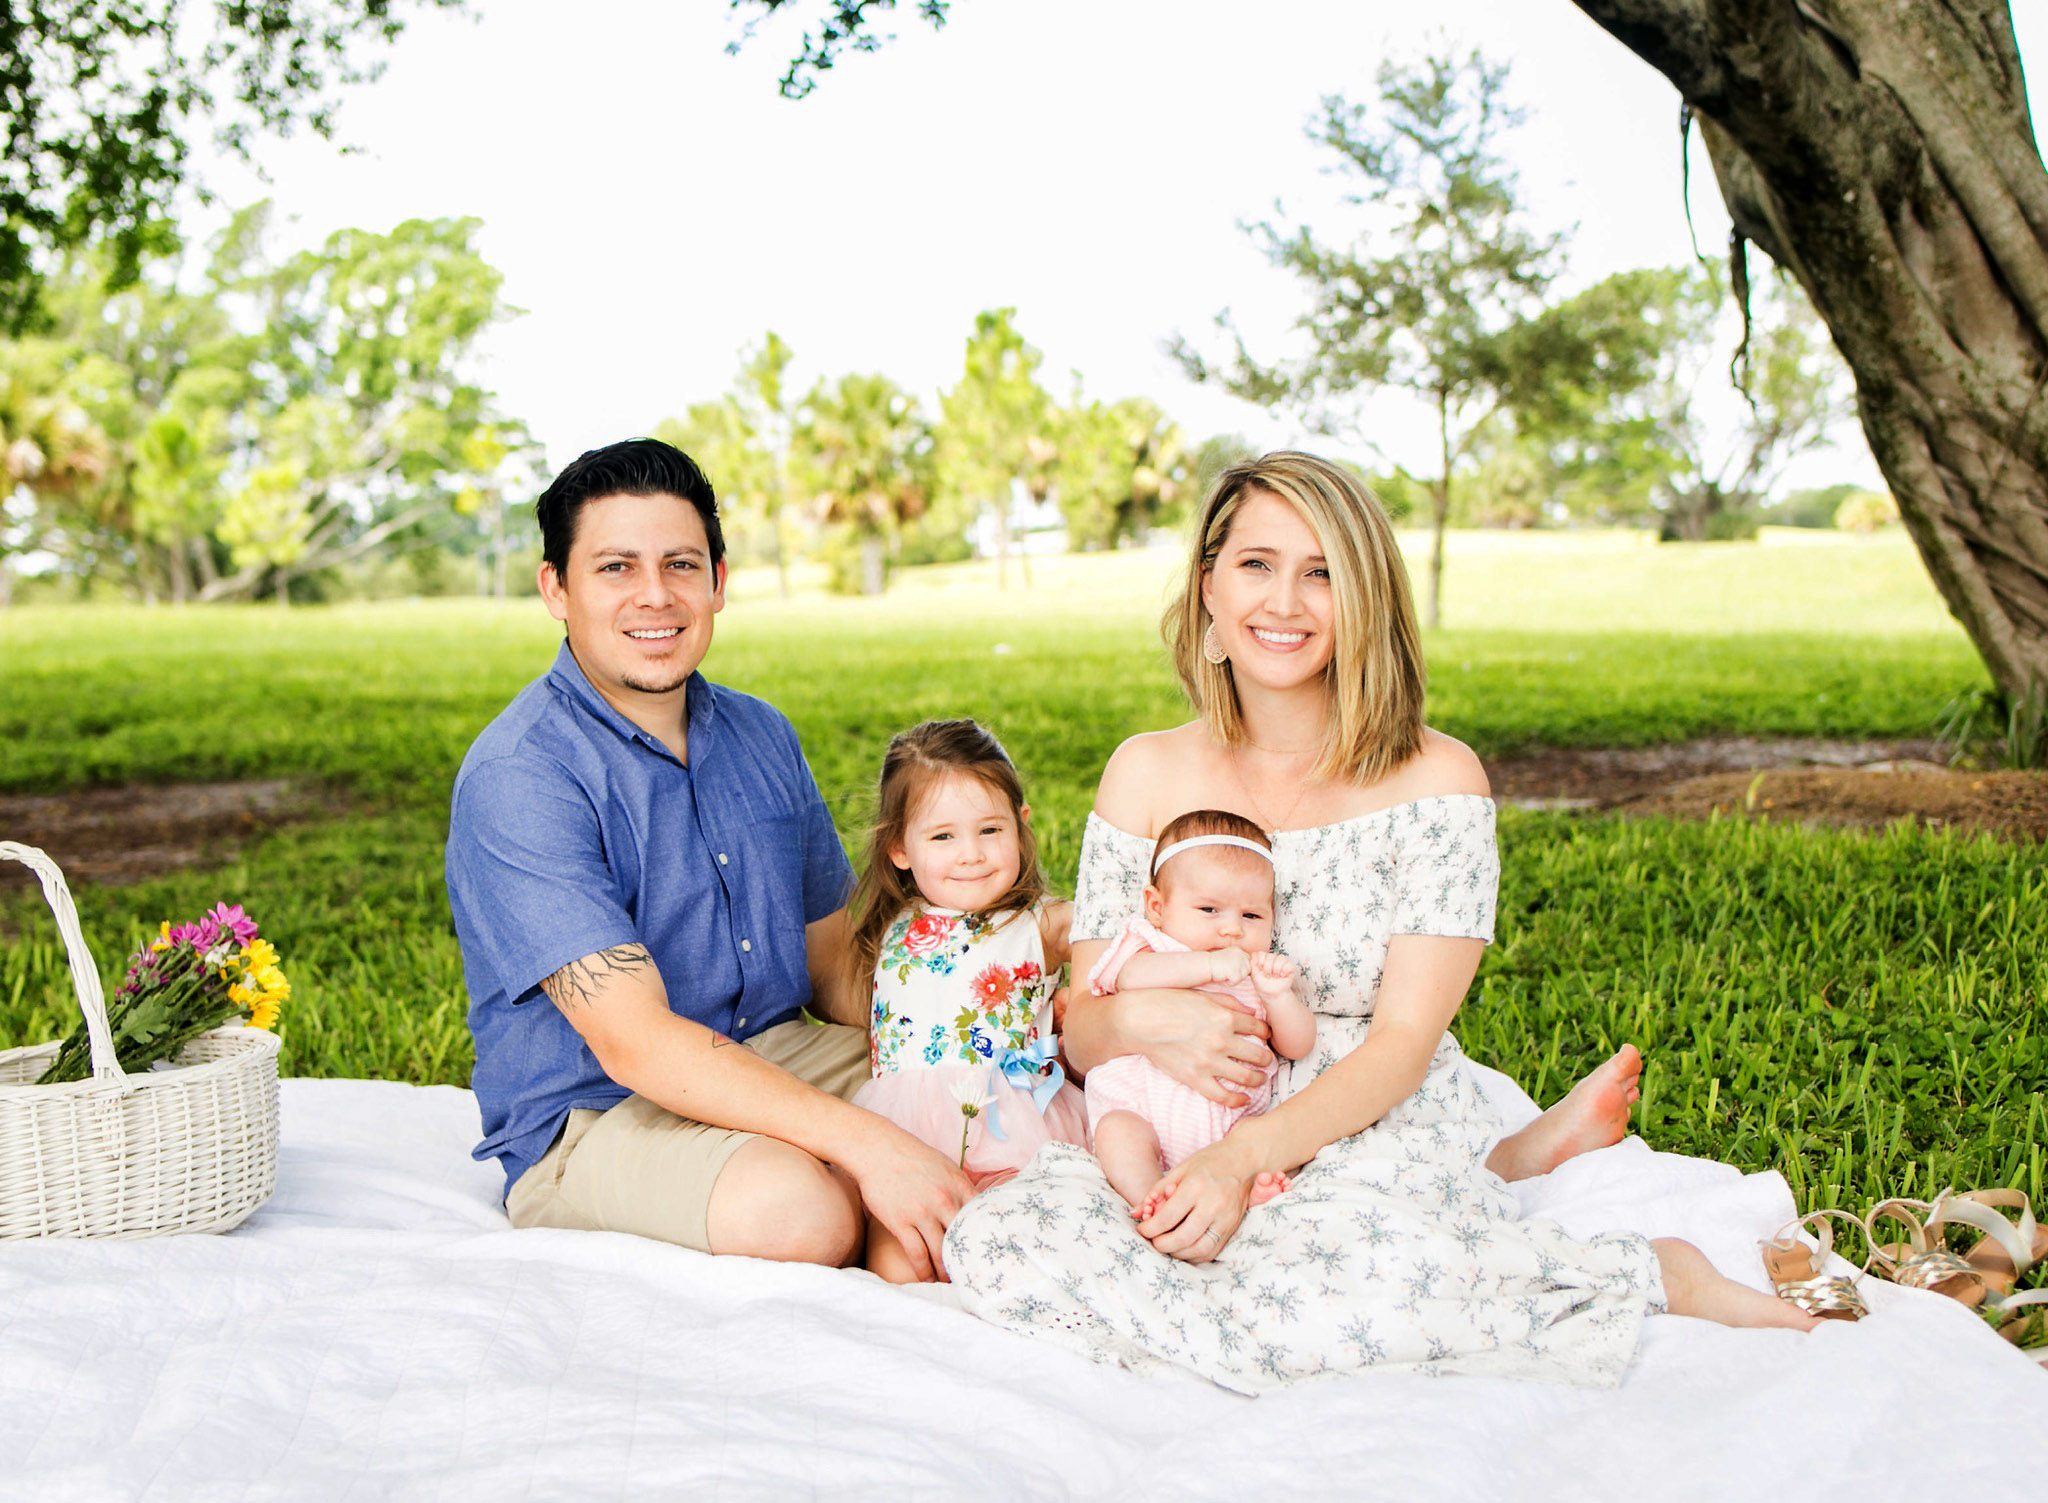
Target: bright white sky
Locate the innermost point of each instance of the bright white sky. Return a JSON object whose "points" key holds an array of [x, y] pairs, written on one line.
{"points": [[655, 205]]}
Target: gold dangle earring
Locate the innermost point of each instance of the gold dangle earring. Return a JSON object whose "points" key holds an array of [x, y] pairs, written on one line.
{"points": [[1212, 651]]}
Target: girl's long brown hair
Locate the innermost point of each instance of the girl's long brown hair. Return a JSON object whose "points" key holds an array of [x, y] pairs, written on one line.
{"points": [[918, 759]]}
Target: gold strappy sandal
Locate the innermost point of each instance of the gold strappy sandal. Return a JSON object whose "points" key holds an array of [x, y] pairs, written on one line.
{"points": [[1794, 1270], [2008, 1248], [1923, 1260]]}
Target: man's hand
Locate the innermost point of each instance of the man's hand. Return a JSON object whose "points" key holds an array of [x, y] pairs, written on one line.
{"points": [[910, 1188]]}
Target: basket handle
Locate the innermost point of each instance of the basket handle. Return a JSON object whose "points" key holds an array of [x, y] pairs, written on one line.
{"points": [[85, 976]]}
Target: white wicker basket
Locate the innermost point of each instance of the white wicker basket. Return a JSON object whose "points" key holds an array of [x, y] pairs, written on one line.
{"points": [[185, 1149]]}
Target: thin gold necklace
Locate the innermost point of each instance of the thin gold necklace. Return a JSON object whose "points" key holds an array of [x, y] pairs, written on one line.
{"points": [[1270, 825]]}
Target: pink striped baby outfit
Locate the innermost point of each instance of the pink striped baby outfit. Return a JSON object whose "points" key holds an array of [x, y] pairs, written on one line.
{"points": [[1185, 1119]]}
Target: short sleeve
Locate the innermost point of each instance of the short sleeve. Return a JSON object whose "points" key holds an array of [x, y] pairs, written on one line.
{"points": [[527, 880], [1448, 867], [828, 875], [1110, 887], [1109, 965]]}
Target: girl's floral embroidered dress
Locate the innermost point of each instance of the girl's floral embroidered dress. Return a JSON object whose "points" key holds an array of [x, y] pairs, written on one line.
{"points": [[961, 1015], [1396, 1248]]}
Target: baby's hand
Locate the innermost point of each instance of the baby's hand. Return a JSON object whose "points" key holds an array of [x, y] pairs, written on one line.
{"points": [[1229, 964], [1272, 975]]}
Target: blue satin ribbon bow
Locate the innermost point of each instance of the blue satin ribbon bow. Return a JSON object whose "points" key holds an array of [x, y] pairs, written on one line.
{"points": [[1023, 1068]]}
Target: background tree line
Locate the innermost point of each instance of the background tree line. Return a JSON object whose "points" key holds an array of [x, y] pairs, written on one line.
{"points": [[308, 426]]}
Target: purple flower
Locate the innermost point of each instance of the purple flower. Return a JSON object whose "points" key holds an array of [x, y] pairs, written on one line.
{"points": [[233, 919], [195, 935]]}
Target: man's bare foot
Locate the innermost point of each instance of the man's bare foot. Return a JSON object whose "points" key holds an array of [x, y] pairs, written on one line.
{"points": [[1593, 1114], [1269, 1184], [1693, 1286]]}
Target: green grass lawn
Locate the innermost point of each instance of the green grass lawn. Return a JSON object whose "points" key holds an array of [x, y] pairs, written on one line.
{"points": [[1863, 1012]]}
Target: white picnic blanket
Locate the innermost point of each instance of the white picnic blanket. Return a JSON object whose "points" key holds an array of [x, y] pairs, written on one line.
{"points": [[378, 1331]]}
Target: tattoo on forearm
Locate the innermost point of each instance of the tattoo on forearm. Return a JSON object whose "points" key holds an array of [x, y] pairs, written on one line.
{"points": [[578, 983], [719, 1040]]}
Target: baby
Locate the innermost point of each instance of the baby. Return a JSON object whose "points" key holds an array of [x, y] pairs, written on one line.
{"points": [[1207, 924]]}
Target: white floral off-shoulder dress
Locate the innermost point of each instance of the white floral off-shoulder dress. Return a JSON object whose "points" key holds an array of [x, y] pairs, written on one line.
{"points": [[1395, 1248]]}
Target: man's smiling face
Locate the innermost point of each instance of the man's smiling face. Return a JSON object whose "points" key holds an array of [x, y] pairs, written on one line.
{"points": [[638, 596]]}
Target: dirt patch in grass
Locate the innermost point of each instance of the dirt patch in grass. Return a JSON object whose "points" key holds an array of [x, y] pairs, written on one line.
{"points": [[1844, 783], [113, 836]]}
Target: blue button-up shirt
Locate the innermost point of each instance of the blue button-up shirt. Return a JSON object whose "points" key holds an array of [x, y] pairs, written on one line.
{"points": [[573, 830]]}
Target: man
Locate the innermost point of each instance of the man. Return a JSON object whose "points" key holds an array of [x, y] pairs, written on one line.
{"points": [[648, 890]]}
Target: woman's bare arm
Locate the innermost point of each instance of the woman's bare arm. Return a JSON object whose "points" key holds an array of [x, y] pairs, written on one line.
{"points": [[1426, 979]]}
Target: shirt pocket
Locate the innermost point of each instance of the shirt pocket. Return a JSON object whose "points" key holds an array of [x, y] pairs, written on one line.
{"points": [[775, 884]]}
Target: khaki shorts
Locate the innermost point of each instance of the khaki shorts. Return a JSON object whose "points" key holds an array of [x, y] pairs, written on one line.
{"points": [[640, 1168]]}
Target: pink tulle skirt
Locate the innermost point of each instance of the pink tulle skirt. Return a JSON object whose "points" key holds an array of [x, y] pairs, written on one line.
{"points": [[924, 1103]]}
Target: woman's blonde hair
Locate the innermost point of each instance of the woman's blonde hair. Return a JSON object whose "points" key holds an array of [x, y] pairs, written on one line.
{"points": [[1375, 674], [917, 761]]}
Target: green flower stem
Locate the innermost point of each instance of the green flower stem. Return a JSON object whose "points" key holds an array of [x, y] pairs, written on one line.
{"points": [[153, 1024]]}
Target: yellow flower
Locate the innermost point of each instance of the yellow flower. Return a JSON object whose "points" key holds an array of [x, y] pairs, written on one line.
{"points": [[163, 939], [262, 987]]}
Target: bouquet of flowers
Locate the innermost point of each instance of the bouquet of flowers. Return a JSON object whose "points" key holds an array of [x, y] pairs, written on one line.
{"points": [[182, 983]]}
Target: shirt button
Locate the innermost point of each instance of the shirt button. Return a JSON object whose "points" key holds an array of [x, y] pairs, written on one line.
{"points": [[740, 1023], [721, 858], [746, 944]]}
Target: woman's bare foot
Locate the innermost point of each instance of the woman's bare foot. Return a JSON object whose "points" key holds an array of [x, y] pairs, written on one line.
{"points": [[1593, 1114], [1269, 1184], [1693, 1286]]}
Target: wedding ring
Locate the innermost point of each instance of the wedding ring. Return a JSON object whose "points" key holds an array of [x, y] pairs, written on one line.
{"points": [[1211, 1233]]}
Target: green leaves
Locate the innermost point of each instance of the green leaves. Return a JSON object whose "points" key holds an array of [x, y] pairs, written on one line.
{"points": [[186, 457], [103, 100]]}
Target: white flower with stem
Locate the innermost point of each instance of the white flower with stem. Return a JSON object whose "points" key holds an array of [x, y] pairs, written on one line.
{"points": [[976, 1094]]}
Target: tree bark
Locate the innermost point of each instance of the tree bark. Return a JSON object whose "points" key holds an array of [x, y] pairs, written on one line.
{"points": [[1439, 512], [178, 563], [1881, 152], [874, 575]]}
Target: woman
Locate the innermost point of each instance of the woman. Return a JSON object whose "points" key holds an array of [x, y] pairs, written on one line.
{"points": [[1398, 1243]]}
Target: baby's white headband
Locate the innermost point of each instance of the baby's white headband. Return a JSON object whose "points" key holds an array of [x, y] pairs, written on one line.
{"points": [[1161, 858]]}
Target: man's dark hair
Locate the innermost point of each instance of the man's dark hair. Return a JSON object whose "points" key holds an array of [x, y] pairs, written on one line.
{"points": [[634, 467]]}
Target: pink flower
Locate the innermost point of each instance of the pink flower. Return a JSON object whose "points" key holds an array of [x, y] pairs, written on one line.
{"points": [[993, 987], [234, 919], [1028, 972], [927, 932]]}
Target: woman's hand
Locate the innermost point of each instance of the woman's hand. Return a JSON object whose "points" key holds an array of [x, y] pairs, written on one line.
{"points": [[1194, 1210], [1208, 1043]]}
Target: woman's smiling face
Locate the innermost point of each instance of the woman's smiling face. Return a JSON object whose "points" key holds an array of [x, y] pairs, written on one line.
{"points": [[1269, 594]]}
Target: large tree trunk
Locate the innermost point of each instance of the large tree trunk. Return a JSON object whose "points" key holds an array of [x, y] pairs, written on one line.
{"points": [[874, 566], [1881, 151], [1439, 513], [178, 563]]}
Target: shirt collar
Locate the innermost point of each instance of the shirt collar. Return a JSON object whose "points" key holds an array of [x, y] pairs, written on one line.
{"points": [[700, 703]]}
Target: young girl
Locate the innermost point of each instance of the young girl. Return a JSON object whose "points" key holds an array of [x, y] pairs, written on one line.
{"points": [[1207, 923], [953, 923]]}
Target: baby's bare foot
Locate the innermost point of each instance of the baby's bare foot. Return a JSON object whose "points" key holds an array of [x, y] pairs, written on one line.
{"points": [[1268, 1185], [1594, 1114]]}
